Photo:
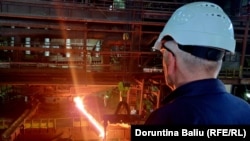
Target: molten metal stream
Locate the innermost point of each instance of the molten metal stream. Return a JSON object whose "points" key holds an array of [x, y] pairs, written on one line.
{"points": [[96, 124]]}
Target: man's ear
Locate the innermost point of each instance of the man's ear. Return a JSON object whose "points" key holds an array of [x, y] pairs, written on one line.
{"points": [[171, 63]]}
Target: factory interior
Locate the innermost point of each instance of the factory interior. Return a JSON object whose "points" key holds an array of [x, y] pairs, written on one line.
{"points": [[85, 70]]}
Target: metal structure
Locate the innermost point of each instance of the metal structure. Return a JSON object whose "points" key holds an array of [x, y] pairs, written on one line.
{"points": [[126, 36]]}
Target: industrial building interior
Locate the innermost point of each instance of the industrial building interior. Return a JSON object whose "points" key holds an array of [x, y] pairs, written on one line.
{"points": [[52, 51]]}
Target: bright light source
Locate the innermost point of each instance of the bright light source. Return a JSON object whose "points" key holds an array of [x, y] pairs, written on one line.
{"points": [[97, 125]]}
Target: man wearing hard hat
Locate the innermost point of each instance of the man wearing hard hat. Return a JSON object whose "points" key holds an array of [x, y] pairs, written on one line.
{"points": [[193, 43]]}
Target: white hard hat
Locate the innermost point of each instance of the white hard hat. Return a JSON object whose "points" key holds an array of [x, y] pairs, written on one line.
{"points": [[200, 24]]}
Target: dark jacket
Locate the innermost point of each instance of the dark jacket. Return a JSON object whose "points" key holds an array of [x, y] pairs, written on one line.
{"points": [[202, 102]]}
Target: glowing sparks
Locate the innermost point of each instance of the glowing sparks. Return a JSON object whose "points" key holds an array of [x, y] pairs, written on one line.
{"points": [[97, 125], [123, 125]]}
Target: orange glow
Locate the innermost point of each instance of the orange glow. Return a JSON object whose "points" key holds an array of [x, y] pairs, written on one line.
{"points": [[97, 125]]}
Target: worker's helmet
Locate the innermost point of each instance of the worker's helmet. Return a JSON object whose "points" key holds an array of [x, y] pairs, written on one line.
{"points": [[202, 24]]}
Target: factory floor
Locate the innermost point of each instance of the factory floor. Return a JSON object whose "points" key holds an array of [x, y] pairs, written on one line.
{"points": [[62, 121]]}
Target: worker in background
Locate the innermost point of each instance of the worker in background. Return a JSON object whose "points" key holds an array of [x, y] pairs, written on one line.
{"points": [[193, 43]]}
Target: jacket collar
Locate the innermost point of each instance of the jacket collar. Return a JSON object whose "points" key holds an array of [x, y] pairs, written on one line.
{"points": [[195, 88]]}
